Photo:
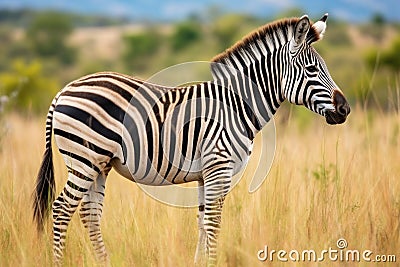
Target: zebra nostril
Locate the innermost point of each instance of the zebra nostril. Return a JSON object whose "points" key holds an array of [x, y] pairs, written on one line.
{"points": [[341, 105], [343, 109]]}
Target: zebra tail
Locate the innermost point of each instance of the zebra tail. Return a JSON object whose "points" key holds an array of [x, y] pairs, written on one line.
{"points": [[44, 192]]}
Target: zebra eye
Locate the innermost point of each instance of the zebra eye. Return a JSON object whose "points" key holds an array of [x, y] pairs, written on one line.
{"points": [[311, 68]]}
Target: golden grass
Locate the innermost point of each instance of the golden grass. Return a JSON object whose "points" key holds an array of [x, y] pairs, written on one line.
{"points": [[326, 183]]}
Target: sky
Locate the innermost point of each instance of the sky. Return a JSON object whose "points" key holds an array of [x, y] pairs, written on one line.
{"points": [[350, 10]]}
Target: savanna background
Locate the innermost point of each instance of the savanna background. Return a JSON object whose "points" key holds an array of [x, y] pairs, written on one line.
{"points": [[326, 182]]}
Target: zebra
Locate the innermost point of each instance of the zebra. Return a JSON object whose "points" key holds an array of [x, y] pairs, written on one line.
{"points": [[158, 135]]}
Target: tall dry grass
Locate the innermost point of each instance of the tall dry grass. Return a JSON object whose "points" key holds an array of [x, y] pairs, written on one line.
{"points": [[326, 183]]}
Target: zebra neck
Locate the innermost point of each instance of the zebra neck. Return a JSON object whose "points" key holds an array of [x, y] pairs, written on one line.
{"points": [[259, 59], [257, 89]]}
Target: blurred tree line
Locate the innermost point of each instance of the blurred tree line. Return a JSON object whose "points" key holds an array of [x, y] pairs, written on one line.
{"points": [[38, 58]]}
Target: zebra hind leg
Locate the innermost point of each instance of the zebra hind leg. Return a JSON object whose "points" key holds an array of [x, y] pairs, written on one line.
{"points": [[90, 213], [64, 207], [200, 256]]}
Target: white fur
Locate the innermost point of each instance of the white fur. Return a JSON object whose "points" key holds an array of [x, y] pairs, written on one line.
{"points": [[320, 27]]}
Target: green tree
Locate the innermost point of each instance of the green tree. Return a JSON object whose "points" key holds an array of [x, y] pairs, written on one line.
{"points": [[230, 28], [48, 35], [225, 29], [27, 87], [138, 48], [378, 19], [185, 34], [389, 58]]}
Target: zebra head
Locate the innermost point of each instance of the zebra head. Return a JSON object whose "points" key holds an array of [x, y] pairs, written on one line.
{"points": [[306, 79]]}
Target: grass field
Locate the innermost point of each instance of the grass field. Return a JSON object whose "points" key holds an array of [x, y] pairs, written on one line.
{"points": [[326, 183]]}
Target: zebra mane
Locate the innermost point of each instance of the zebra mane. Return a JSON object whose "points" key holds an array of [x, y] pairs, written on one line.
{"points": [[267, 38]]}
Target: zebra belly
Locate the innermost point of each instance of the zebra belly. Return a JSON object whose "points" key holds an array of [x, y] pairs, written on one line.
{"points": [[153, 178]]}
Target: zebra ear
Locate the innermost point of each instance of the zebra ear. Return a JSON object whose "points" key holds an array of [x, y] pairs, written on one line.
{"points": [[320, 26], [301, 29]]}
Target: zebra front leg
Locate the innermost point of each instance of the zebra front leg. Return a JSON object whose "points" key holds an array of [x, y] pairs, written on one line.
{"points": [[90, 213], [200, 255], [216, 186], [64, 207]]}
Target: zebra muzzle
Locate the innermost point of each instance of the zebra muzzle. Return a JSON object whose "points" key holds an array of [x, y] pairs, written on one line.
{"points": [[342, 109]]}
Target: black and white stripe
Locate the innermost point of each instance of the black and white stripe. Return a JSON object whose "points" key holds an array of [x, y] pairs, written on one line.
{"points": [[157, 135]]}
